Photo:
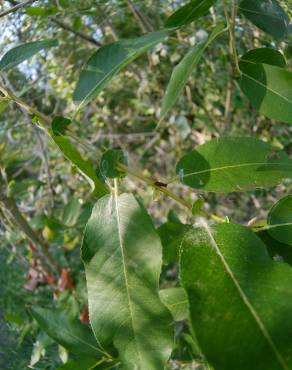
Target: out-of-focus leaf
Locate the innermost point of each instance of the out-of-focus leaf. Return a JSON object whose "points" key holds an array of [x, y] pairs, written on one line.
{"points": [[20, 53], [267, 15], [69, 333], [71, 212], [183, 70], [189, 12], [176, 300]]}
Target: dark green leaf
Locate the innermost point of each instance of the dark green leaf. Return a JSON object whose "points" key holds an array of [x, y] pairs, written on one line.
{"points": [[183, 70], [280, 221], [108, 60], [60, 124], [85, 166], [240, 300], [197, 206], [109, 161], [234, 164], [69, 333], [189, 12], [20, 53], [82, 364], [176, 300], [267, 15], [268, 87], [122, 256], [278, 251], [171, 235], [269, 56]]}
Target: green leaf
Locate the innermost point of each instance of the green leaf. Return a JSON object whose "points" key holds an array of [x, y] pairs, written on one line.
{"points": [[280, 220], [267, 15], [36, 11], [267, 87], [109, 60], [71, 212], [278, 251], [171, 235], [233, 164], [122, 257], [84, 364], [109, 161], [269, 56], [20, 53], [240, 300], [189, 12], [176, 300], [69, 333], [60, 124], [197, 206], [85, 166], [183, 70], [39, 348]]}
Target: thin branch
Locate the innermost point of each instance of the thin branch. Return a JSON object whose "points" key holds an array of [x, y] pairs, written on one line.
{"points": [[80, 34], [16, 7], [10, 204]]}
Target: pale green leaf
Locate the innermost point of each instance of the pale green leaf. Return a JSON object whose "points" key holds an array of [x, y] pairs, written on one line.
{"points": [[176, 300], [183, 70], [234, 164], [122, 256]]}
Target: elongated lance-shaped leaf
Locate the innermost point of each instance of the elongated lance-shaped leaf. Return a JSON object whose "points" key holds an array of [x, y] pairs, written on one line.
{"points": [[20, 53], [108, 60], [123, 256], [183, 70], [70, 333], [267, 86], [234, 164], [189, 12], [267, 15], [240, 300], [85, 166]]}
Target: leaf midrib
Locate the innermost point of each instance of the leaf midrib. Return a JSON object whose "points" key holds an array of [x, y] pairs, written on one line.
{"points": [[233, 166], [121, 244], [244, 298]]}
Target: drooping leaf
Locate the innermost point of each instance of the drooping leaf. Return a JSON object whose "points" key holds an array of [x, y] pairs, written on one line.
{"points": [[267, 87], [108, 60], [189, 12], [70, 151], [171, 235], [122, 256], [240, 300], [233, 164], [20, 53], [267, 15], [70, 333], [280, 220], [183, 70], [176, 300]]}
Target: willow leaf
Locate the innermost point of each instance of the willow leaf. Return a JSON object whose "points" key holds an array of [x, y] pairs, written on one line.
{"points": [[183, 70]]}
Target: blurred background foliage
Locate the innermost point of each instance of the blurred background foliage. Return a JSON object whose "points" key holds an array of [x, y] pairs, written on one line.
{"points": [[51, 194]]}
